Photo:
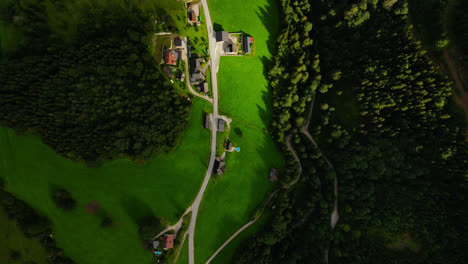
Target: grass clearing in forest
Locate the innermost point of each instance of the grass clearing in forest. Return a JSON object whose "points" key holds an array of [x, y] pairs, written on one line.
{"points": [[13, 238], [230, 200], [164, 187]]}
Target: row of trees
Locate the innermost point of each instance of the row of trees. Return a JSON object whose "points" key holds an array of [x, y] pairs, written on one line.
{"points": [[383, 116], [33, 225], [97, 98]]}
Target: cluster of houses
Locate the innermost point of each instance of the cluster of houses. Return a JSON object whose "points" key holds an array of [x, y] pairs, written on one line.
{"points": [[230, 43], [171, 56]]}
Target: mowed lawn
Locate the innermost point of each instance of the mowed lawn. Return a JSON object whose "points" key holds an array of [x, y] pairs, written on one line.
{"points": [[242, 83], [164, 187], [232, 199]]}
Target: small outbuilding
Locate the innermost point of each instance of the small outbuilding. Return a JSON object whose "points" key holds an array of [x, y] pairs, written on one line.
{"points": [[155, 244], [178, 42], [274, 174], [207, 121], [220, 125], [247, 47], [222, 36], [219, 167], [205, 87]]}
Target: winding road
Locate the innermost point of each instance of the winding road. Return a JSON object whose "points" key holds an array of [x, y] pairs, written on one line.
{"points": [[214, 57]]}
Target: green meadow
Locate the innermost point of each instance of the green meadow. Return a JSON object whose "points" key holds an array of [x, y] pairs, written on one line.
{"points": [[231, 200], [164, 188]]}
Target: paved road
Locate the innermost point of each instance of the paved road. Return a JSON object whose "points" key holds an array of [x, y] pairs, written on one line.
{"points": [[214, 82]]}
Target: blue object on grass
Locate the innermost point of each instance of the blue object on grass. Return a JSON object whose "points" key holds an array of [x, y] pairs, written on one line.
{"points": [[237, 149]]}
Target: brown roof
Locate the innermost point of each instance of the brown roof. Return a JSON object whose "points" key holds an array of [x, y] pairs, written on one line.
{"points": [[168, 241], [169, 58], [192, 17]]}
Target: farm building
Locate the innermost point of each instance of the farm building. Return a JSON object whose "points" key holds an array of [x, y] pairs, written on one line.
{"points": [[220, 125], [167, 241], [247, 47]]}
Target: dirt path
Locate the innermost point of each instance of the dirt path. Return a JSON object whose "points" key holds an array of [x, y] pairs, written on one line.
{"points": [[176, 227], [461, 99]]}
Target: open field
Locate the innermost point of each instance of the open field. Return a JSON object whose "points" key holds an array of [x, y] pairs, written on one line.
{"points": [[231, 199], [164, 187], [12, 238]]}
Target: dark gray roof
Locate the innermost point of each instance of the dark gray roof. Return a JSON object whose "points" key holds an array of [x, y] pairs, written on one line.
{"points": [[247, 47], [177, 42], [222, 36], [220, 125]]}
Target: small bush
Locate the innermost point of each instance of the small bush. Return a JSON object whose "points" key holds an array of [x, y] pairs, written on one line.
{"points": [[63, 199]]}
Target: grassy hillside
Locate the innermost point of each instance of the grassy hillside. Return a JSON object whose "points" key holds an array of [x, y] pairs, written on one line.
{"points": [[164, 188], [231, 199], [12, 238]]}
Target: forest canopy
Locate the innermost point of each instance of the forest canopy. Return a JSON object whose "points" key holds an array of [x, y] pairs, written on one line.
{"points": [[383, 115], [86, 82]]}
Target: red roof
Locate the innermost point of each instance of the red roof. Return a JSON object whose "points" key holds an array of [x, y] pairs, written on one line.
{"points": [[169, 58], [251, 39], [168, 241]]}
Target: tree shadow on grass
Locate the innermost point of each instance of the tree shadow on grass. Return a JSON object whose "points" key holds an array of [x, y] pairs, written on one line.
{"points": [[138, 210], [269, 16]]}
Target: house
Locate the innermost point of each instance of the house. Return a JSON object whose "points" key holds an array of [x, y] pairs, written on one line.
{"points": [[220, 125], [198, 74], [219, 167], [274, 174], [247, 47], [167, 241], [222, 36], [192, 17], [169, 57], [197, 77], [178, 43]]}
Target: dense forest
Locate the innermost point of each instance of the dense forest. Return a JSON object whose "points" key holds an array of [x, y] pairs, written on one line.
{"points": [[383, 116], [86, 81]]}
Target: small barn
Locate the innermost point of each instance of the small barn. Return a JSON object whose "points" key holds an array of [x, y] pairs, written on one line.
{"points": [[220, 125], [167, 241]]}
